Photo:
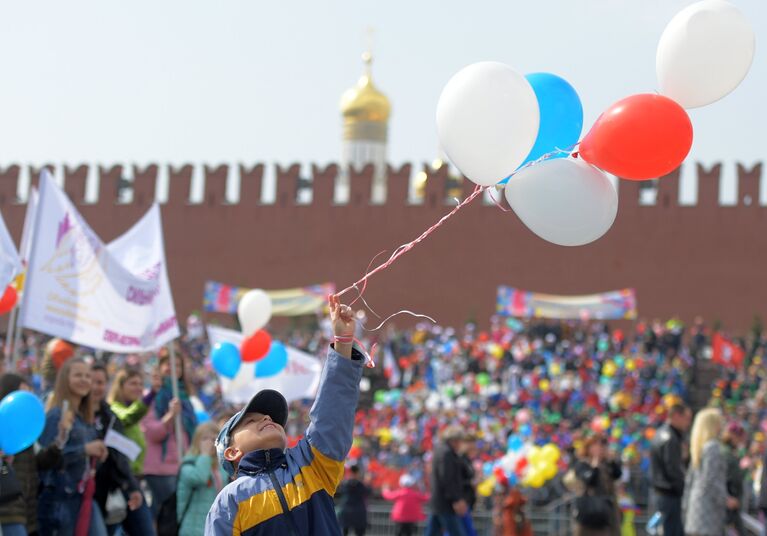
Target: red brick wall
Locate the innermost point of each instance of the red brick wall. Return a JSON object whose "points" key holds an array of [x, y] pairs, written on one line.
{"points": [[683, 260]]}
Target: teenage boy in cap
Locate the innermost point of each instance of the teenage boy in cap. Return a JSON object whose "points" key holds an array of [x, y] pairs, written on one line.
{"points": [[279, 491]]}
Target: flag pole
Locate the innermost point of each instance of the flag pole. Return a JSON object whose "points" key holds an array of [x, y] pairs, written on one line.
{"points": [[9, 333], [174, 387]]}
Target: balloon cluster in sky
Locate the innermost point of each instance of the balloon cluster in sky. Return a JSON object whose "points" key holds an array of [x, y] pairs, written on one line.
{"points": [[254, 311], [498, 126]]}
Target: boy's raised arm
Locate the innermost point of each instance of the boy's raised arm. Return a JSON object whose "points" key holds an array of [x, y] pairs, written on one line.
{"points": [[332, 415]]}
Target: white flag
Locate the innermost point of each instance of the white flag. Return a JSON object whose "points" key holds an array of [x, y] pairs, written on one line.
{"points": [[10, 264], [115, 298], [298, 380]]}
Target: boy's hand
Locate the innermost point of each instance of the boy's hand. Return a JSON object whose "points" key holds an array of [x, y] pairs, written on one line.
{"points": [[342, 318]]}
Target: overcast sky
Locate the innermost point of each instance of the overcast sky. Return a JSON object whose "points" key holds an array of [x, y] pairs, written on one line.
{"points": [[192, 80]]}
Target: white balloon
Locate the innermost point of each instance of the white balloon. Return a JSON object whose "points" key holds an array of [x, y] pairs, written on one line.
{"points": [[487, 121], [254, 311], [565, 201], [704, 53]]}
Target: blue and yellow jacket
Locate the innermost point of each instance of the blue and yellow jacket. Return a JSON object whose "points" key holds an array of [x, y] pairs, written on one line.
{"points": [[304, 477]]}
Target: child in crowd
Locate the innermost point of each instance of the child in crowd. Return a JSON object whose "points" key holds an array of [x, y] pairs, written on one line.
{"points": [[408, 505]]}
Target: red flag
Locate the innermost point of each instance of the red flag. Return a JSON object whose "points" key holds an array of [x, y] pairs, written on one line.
{"points": [[727, 353]]}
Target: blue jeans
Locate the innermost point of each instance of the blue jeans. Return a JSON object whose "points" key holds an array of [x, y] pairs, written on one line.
{"points": [[57, 515], [14, 529], [439, 523], [162, 487], [468, 524], [671, 508]]}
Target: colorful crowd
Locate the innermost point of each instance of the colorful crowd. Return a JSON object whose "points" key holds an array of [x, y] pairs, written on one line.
{"points": [[512, 387]]}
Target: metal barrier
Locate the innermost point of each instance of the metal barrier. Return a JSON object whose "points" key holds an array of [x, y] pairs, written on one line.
{"points": [[555, 519]]}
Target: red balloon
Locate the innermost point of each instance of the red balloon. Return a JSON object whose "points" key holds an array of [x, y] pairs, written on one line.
{"points": [[521, 464], [60, 352], [8, 301], [256, 346], [640, 137]]}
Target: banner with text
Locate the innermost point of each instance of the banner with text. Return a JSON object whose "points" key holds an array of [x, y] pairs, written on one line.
{"points": [[618, 304], [221, 298], [115, 298], [298, 380]]}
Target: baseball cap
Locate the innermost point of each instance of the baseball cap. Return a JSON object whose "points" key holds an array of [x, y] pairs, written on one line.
{"points": [[268, 402]]}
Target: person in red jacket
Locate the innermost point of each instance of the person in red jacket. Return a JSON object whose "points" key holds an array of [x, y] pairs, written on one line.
{"points": [[408, 505]]}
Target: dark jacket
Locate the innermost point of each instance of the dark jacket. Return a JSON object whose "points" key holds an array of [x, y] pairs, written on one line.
{"points": [[735, 475], [469, 491], [353, 512], [600, 481], [666, 467], [26, 465], [447, 480], [115, 472]]}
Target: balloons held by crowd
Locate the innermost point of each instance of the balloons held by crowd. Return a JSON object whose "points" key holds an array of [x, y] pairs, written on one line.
{"points": [[270, 357], [524, 464], [22, 418]]}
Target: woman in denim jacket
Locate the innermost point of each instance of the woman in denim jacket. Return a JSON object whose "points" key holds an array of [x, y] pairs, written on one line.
{"points": [[62, 490]]}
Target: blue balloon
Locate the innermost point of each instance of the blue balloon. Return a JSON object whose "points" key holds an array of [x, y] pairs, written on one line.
{"points": [[22, 418], [487, 468], [202, 416], [515, 443], [561, 115], [274, 362], [525, 430], [226, 359]]}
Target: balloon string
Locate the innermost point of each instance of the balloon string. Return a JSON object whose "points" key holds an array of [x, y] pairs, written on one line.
{"points": [[404, 248], [497, 203], [404, 311]]}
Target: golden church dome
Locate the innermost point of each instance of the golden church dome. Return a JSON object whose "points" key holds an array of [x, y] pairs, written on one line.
{"points": [[365, 110]]}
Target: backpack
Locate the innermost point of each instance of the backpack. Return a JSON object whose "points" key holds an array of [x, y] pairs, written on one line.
{"points": [[168, 521], [593, 511]]}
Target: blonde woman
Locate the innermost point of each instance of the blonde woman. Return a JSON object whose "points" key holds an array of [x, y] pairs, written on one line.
{"points": [[199, 481], [705, 494], [63, 491]]}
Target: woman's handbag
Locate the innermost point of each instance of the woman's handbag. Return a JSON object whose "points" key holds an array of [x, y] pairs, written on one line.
{"points": [[10, 487]]}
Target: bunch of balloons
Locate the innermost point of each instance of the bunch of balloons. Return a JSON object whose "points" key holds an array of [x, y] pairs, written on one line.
{"points": [[498, 126], [523, 464], [22, 419], [271, 357]]}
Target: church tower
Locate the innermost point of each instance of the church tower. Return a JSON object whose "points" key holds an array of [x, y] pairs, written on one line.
{"points": [[365, 112]]}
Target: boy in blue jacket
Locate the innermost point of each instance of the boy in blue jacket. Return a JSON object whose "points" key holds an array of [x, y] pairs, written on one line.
{"points": [[279, 491]]}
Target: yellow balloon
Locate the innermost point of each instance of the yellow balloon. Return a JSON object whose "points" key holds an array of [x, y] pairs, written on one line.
{"points": [[551, 453], [536, 479], [549, 471], [610, 369], [485, 488], [631, 365], [535, 456], [555, 369], [544, 385]]}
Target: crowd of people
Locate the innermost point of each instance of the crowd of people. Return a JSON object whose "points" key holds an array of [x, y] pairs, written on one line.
{"points": [[439, 400]]}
